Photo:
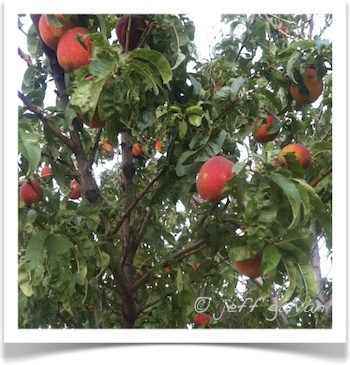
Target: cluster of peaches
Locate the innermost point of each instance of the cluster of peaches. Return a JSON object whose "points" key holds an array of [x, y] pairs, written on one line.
{"points": [[216, 171], [73, 48]]}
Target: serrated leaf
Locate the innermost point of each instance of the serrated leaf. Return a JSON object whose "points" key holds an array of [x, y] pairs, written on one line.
{"points": [[157, 60]]}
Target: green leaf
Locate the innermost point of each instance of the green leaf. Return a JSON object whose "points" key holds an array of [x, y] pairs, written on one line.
{"points": [[33, 41], [292, 279], [318, 208], [195, 120], [236, 86], [270, 259], [292, 193], [211, 146], [29, 147], [309, 279], [156, 59], [81, 267], [183, 127], [24, 278], [179, 280], [86, 95], [57, 245], [102, 261], [146, 72], [54, 21], [34, 256], [239, 253]]}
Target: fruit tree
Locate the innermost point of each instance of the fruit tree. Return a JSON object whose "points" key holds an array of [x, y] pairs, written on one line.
{"points": [[113, 238]]}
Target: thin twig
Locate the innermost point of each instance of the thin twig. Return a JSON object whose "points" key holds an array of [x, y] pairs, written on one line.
{"points": [[135, 202]]}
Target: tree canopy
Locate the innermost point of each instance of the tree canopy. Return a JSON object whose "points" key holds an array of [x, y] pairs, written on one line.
{"points": [[133, 244]]}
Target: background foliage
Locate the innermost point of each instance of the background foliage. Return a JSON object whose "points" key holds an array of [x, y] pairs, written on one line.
{"points": [[124, 254]]}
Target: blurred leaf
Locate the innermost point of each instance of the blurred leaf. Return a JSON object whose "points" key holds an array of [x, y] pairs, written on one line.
{"points": [[292, 193], [24, 278], [270, 259], [292, 279], [34, 257], [29, 147]]}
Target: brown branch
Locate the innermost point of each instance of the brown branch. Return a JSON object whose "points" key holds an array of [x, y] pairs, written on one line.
{"points": [[135, 202], [314, 182], [143, 228], [145, 277], [94, 149], [49, 124]]}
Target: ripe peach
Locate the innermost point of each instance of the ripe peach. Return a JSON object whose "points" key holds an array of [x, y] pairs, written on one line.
{"points": [[46, 172], [29, 194], [302, 154], [71, 55], [159, 146], [137, 150], [212, 177], [196, 266], [201, 319], [260, 131], [107, 150], [75, 193], [96, 121], [250, 267], [137, 27], [313, 85], [51, 34]]}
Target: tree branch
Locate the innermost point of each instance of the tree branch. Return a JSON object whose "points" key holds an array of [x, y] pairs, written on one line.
{"points": [[314, 182], [49, 124], [135, 202], [145, 277]]}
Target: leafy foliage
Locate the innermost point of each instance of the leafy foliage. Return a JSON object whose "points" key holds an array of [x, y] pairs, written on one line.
{"points": [[140, 247]]}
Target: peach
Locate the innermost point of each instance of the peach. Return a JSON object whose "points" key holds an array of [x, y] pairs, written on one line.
{"points": [[212, 177], [71, 55]]}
